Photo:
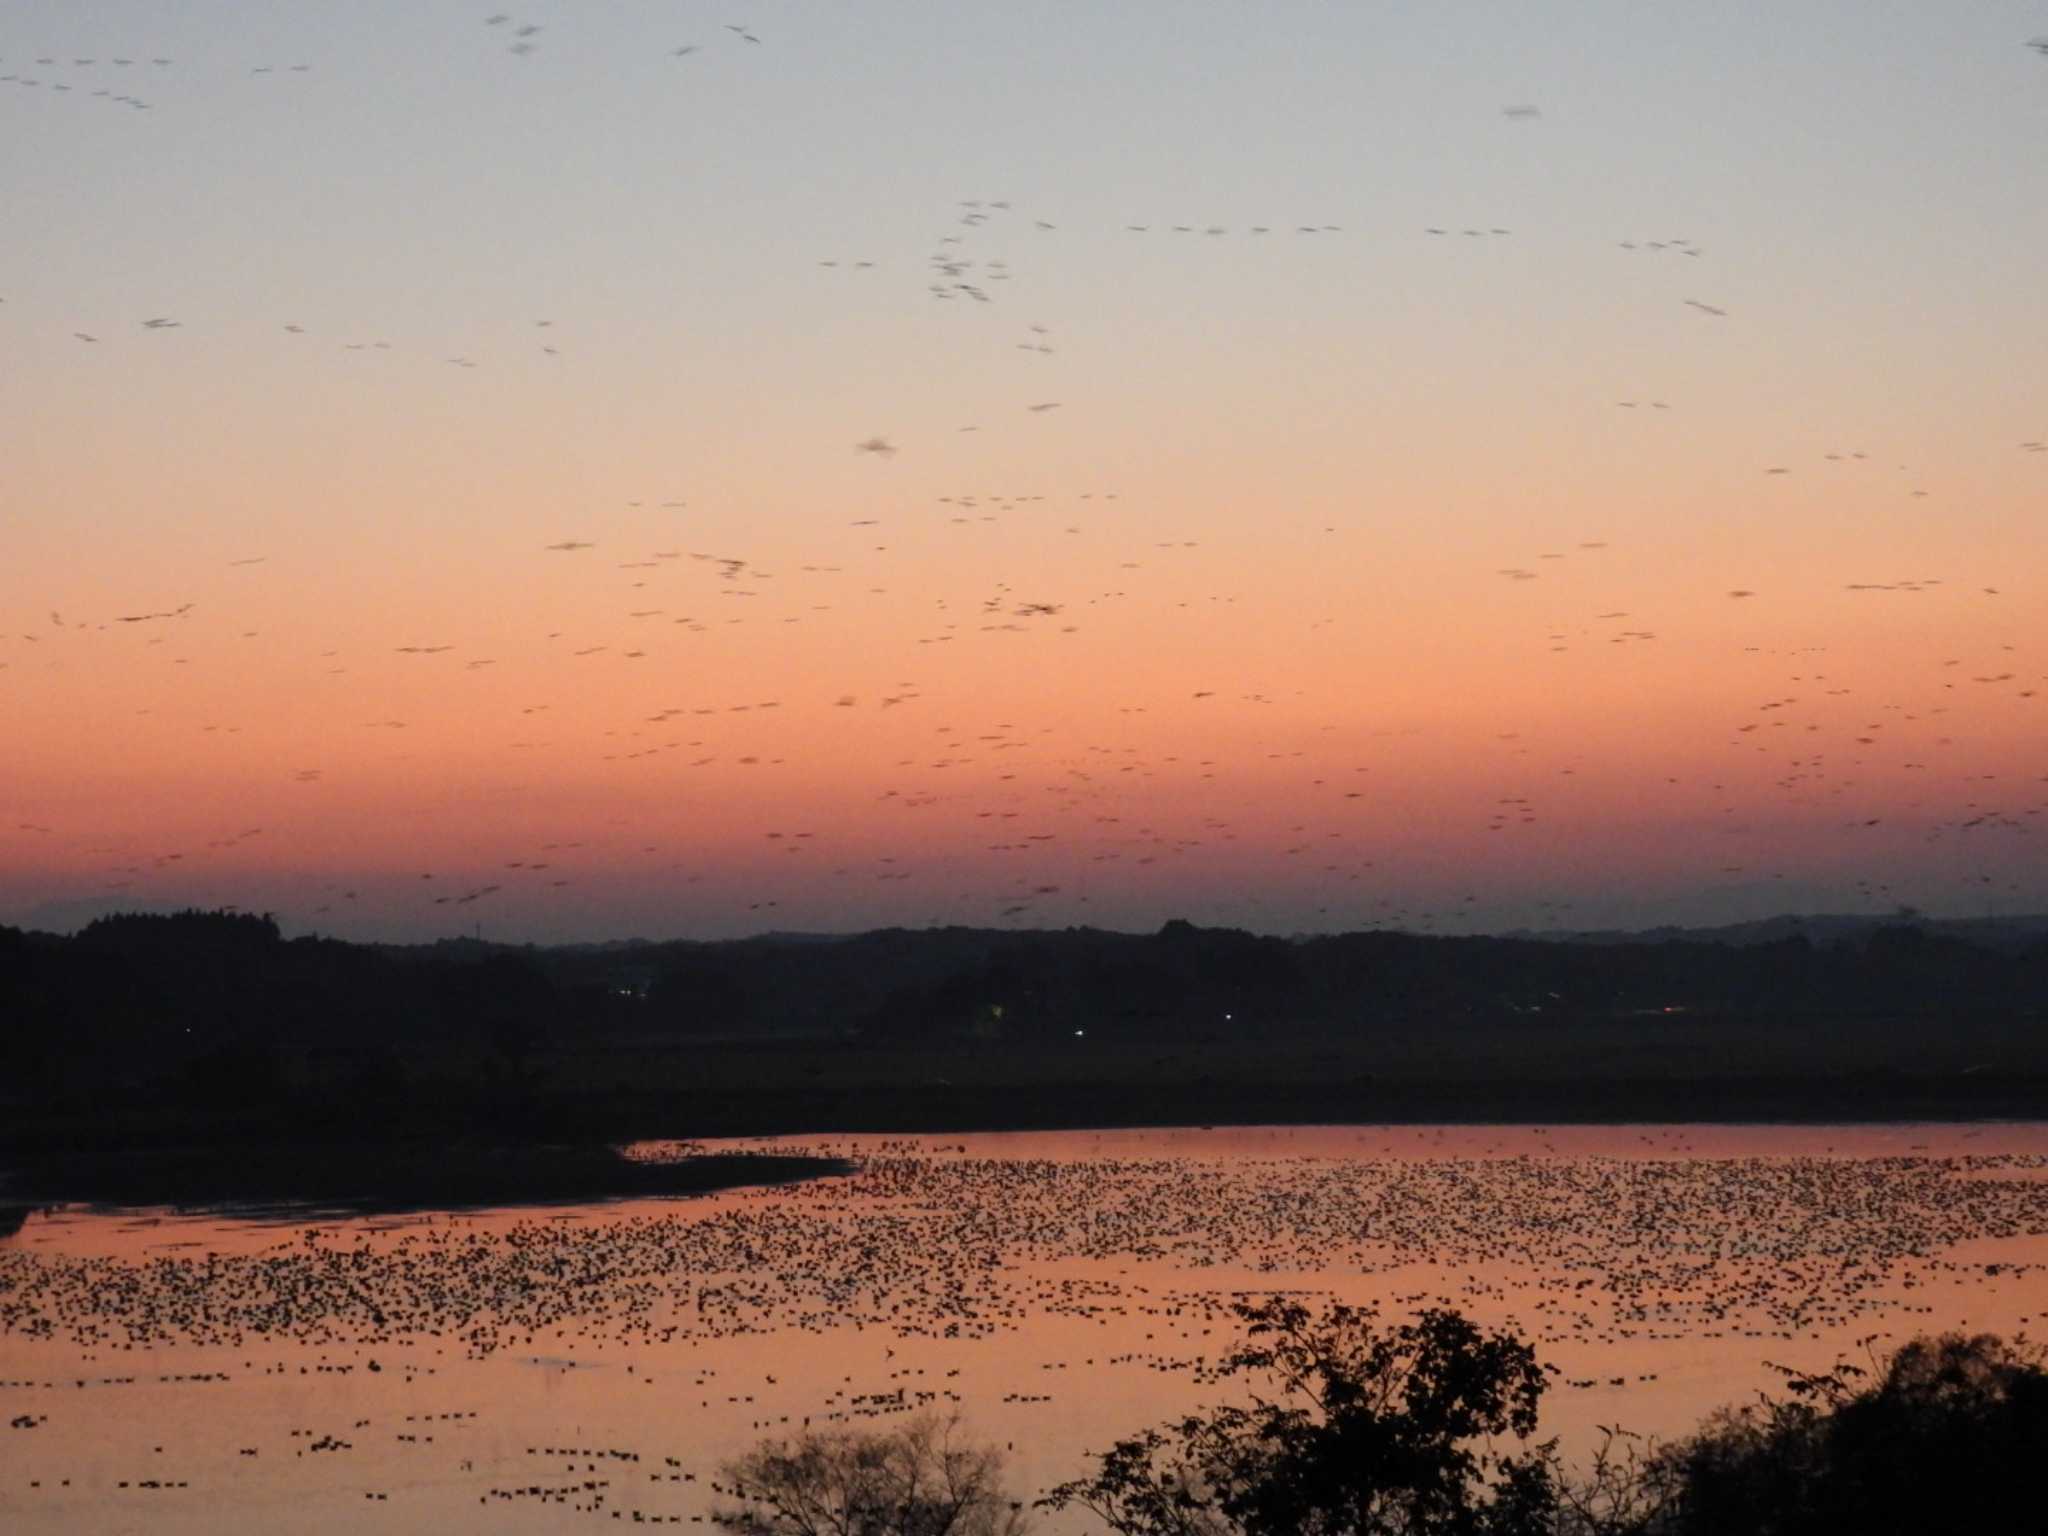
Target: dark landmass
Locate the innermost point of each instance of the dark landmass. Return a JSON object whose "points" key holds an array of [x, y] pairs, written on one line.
{"points": [[376, 1178], [2013, 934], [212, 1031]]}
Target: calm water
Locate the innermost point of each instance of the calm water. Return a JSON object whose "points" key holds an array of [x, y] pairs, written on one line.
{"points": [[542, 1370]]}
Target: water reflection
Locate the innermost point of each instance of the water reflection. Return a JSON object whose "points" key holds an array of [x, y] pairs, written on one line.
{"points": [[502, 1369]]}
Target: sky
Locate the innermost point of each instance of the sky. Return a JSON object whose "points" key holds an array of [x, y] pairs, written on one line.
{"points": [[673, 469]]}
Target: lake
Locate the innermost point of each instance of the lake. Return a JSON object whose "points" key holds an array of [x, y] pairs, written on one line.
{"points": [[544, 1369]]}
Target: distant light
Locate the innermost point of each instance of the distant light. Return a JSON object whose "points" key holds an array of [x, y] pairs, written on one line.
{"points": [[1079, 1033], [1228, 1017]]}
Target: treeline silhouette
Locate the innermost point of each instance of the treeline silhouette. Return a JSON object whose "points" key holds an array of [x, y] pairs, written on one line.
{"points": [[216, 1019], [1355, 1426]]}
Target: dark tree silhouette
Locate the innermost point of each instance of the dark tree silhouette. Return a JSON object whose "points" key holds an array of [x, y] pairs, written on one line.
{"points": [[922, 1479], [1369, 1429], [1947, 1440]]}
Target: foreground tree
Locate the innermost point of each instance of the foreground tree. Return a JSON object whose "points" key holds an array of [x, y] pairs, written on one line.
{"points": [[1945, 1439], [1353, 1429], [922, 1479]]}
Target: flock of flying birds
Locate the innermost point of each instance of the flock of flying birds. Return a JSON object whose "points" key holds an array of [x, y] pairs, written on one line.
{"points": [[1087, 818]]}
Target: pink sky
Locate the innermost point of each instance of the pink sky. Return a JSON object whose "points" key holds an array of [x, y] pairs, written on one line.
{"points": [[1359, 576]]}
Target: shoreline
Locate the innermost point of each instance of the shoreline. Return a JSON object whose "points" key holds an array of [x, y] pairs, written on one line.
{"points": [[385, 1179], [447, 1135], [253, 1175], [940, 1108]]}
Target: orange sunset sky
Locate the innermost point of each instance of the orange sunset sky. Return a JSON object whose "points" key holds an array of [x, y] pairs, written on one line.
{"points": [[679, 473]]}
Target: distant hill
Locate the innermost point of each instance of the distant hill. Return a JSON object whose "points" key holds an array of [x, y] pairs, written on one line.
{"points": [[193, 1024], [2006, 934], [133, 987]]}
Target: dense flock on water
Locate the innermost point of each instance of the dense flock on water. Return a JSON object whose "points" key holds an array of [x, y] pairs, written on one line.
{"points": [[1019, 1291], [961, 1246]]}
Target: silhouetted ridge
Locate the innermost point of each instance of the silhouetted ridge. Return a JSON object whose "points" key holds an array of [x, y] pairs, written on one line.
{"points": [[211, 1025]]}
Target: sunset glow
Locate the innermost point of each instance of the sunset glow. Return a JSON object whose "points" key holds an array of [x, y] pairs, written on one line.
{"points": [[1021, 466]]}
